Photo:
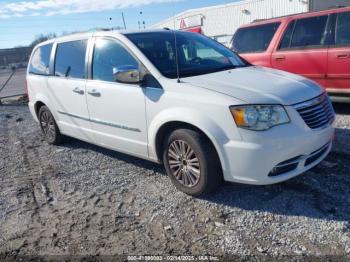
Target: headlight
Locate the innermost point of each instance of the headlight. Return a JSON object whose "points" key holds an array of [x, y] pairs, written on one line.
{"points": [[259, 117]]}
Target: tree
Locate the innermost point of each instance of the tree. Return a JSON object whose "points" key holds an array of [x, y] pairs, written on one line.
{"points": [[41, 38]]}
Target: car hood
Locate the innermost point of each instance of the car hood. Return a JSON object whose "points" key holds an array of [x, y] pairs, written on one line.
{"points": [[259, 85]]}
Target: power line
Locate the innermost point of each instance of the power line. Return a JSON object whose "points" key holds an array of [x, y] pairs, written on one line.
{"points": [[54, 24], [21, 19], [12, 40]]}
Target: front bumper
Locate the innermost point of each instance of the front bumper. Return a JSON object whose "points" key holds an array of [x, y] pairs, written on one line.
{"points": [[253, 160]]}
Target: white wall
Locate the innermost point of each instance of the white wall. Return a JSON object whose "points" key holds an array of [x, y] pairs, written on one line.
{"points": [[317, 5], [223, 20]]}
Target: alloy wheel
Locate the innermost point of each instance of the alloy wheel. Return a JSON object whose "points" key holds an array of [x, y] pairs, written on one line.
{"points": [[184, 163], [48, 125]]}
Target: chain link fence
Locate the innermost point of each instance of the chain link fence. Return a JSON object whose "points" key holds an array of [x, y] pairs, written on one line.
{"points": [[13, 63], [12, 82]]}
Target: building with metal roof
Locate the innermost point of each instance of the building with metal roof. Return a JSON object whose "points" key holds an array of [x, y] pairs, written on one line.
{"points": [[221, 21]]}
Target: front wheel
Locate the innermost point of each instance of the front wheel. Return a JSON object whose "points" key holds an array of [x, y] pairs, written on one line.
{"points": [[191, 162], [49, 127]]}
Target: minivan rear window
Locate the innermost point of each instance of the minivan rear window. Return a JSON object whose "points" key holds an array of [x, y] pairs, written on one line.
{"points": [[254, 38], [70, 59], [40, 62]]}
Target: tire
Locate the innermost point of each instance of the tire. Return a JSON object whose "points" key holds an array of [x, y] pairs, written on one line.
{"points": [[191, 162], [49, 127]]}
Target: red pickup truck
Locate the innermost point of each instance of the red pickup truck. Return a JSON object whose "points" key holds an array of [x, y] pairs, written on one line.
{"points": [[315, 45]]}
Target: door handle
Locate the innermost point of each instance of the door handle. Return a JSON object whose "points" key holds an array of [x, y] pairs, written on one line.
{"points": [[78, 91], [280, 58], [94, 92], [343, 56]]}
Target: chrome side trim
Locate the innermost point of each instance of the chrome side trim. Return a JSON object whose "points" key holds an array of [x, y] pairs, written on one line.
{"points": [[97, 121], [340, 99], [73, 115], [338, 90]]}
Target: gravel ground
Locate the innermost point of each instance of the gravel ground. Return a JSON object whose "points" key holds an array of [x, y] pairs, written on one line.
{"points": [[84, 200]]}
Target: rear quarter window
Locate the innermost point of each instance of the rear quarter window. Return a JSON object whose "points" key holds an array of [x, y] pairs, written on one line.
{"points": [[255, 38], [40, 61]]}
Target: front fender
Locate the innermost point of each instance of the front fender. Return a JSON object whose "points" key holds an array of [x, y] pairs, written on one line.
{"points": [[206, 124]]}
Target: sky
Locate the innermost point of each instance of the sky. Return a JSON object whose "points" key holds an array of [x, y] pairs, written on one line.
{"points": [[21, 21]]}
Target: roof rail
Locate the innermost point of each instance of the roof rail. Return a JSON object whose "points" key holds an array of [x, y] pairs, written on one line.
{"points": [[104, 29], [310, 12]]}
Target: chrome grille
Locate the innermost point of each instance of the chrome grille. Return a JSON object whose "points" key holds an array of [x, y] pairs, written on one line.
{"points": [[317, 113]]}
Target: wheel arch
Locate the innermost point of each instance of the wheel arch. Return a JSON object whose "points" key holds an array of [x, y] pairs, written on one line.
{"points": [[37, 106], [169, 126], [42, 100]]}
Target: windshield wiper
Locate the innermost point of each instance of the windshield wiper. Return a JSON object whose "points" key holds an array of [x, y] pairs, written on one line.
{"points": [[189, 73]]}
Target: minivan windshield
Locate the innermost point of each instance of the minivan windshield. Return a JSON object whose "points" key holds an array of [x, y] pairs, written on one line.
{"points": [[197, 54]]}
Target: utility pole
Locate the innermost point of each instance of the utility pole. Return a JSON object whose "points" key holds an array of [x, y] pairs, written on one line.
{"points": [[124, 20]]}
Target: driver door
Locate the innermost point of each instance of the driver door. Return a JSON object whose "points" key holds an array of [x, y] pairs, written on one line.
{"points": [[117, 110]]}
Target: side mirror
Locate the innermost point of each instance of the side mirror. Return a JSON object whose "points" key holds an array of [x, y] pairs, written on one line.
{"points": [[127, 75]]}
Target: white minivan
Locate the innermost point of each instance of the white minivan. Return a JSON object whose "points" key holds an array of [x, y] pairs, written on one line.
{"points": [[180, 99]]}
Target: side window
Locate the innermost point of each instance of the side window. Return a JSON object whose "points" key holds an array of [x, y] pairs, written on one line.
{"points": [[309, 32], [255, 38], [108, 56], [40, 62], [287, 37], [194, 49], [342, 32], [70, 59]]}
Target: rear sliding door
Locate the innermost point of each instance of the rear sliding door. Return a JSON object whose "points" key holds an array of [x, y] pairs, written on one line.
{"points": [[67, 89]]}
